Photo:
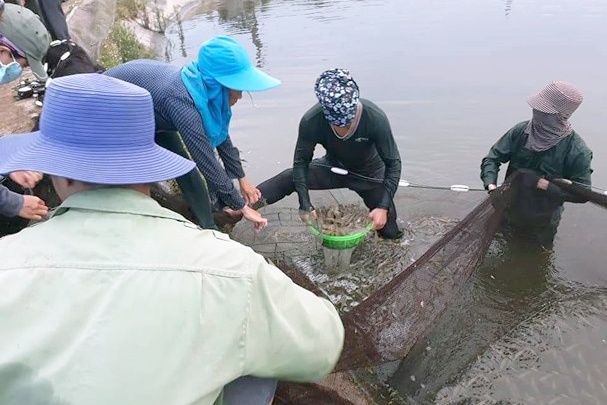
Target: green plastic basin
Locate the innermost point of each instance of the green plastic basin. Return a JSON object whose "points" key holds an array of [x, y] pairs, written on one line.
{"points": [[340, 241]]}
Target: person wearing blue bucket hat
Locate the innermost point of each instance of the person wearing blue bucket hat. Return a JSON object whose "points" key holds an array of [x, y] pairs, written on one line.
{"points": [[115, 291], [362, 154], [193, 107]]}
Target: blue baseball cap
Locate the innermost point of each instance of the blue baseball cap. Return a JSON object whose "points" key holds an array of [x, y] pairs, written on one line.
{"points": [[226, 61]]}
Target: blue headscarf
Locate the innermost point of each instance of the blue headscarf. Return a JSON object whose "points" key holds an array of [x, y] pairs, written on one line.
{"points": [[211, 100]]}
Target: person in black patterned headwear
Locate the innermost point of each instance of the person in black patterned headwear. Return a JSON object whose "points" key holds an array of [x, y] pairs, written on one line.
{"points": [[361, 153], [543, 148]]}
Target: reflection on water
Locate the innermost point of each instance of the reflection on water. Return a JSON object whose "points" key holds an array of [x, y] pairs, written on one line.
{"points": [[452, 77], [508, 7]]}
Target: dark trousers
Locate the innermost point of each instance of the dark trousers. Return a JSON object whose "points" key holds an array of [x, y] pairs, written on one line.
{"points": [[320, 177], [540, 234], [249, 391], [52, 16], [193, 184]]}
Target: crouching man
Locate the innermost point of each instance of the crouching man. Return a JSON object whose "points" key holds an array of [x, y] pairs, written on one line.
{"points": [[116, 300]]}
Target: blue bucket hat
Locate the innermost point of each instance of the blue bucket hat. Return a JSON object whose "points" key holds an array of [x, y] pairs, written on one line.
{"points": [[95, 129], [338, 95], [226, 61]]}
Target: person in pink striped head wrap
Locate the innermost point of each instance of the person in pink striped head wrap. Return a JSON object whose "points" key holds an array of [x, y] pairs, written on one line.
{"points": [[545, 147]]}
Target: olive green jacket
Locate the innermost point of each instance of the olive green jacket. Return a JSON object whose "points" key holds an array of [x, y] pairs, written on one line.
{"points": [[569, 159]]}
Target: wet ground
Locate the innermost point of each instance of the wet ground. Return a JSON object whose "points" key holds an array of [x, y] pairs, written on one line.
{"points": [[530, 326]]}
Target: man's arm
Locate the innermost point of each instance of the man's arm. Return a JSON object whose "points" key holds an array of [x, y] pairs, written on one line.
{"points": [[500, 152], [291, 333], [304, 150], [189, 124], [577, 169], [10, 202], [230, 156], [388, 151]]}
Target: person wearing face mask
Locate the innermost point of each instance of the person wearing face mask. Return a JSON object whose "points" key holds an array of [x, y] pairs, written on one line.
{"points": [[24, 42], [358, 139], [543, 148], [193, 108]]}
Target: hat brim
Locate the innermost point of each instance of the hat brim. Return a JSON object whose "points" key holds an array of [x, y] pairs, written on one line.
{"points": [[251, 79], [37, 67], [539, 103], [36, 152]]}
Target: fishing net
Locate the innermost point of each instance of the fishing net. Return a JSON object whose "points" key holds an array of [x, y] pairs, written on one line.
{"points": [[385, 326]]}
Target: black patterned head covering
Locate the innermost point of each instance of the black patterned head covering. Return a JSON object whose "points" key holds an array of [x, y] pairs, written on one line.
{"points": [[338, 95]]}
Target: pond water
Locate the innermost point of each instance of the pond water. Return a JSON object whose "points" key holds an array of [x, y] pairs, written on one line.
{"points": [[529, 327]]}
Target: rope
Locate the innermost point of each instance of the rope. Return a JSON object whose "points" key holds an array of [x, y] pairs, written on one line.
{"points": [[401, 183]]}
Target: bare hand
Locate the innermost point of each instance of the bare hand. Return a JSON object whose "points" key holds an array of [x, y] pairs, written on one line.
{"points": [[491, 187], [255, 217], [249, 192], [543, 184], [26, 179], [307, 215], [378, 218], [33, 208]]}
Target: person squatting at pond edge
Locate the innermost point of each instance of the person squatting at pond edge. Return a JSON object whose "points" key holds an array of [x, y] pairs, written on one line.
{"points": [[357, 137], [546, 147], [195, 103], [24, 42], [117, 290]]}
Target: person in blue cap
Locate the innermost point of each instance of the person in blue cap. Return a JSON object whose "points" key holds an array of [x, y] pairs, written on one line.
{"points": [[193, 106], [362, 154], [117, 300]]}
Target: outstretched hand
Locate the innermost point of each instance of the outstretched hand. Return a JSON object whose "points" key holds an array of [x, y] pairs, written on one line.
{"points": [[305, 216], [33, 208], [26, 179], [250, 193], [378, 218], [259, 222]]}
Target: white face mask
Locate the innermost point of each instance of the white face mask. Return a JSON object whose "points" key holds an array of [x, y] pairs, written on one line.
{"points": [[10, 72]]}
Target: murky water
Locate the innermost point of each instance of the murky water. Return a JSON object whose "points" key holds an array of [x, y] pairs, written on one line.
{"points": [[452, 76]]}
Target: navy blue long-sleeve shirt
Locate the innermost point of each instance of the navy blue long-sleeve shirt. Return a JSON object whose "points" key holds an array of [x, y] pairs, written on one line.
{"points": [[175, 110], [10, 202]]}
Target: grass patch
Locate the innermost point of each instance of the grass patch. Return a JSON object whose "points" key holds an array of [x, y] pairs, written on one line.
{"points": [[121, 46], [129, 9]]}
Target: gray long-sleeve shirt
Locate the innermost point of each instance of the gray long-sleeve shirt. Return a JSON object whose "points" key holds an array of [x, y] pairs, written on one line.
{"points": [[10, 202]]}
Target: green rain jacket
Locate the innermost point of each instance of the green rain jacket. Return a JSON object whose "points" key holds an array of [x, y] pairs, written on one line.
{"points": [[569, 159]]}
